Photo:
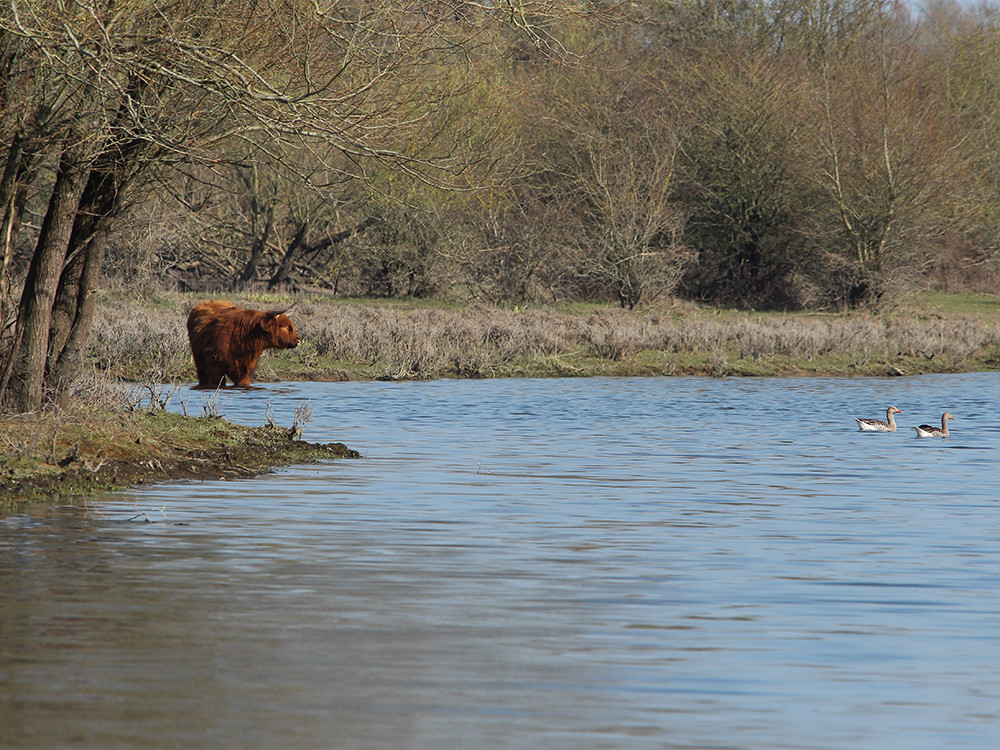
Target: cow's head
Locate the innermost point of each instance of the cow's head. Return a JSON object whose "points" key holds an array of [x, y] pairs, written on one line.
{"points": [[281, 329]]}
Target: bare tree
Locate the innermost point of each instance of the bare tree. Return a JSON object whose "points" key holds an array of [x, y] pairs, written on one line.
{"points": [[631, 224], [606, 144], [889, 164]]}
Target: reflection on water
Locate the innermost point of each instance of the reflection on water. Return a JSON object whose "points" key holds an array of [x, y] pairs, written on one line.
{"points": [[600, 563]]}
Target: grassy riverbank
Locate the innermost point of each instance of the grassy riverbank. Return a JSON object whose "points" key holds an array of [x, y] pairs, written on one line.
{"points": [[108, 442], [70, 456], [145, 340]]}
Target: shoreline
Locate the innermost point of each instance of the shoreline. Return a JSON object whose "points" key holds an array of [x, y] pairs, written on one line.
{"points": [[83, 456], [718, 367]]}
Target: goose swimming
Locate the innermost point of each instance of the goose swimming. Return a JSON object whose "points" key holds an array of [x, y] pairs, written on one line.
{"points": [[926, 430], [877, 425]]}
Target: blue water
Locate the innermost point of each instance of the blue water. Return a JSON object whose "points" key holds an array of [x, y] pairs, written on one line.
{"points": [[582, 563]]}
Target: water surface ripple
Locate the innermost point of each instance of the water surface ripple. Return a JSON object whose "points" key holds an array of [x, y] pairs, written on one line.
{"points": [[592, 563]]}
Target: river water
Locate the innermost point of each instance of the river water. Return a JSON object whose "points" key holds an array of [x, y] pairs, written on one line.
{"points": [[592, 563]]}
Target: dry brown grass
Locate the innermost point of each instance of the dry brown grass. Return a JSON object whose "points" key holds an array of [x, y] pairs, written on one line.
{"points": [[397, 342]]}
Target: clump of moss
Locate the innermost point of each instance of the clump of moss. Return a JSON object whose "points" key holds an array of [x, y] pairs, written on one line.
{"points": [[71, 456]]}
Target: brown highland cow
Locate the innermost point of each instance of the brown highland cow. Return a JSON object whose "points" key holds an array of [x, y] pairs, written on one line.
{"points": [[227, 340]]}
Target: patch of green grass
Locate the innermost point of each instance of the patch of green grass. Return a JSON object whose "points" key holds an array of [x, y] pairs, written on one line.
{"points": [[396, 303], [949, 303]]}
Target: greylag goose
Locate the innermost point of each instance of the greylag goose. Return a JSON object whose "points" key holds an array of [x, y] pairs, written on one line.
{"points": [[926, 430], [877, 425]]}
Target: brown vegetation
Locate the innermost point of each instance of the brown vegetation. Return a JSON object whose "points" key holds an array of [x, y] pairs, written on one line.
{"points": [[397, 342]]}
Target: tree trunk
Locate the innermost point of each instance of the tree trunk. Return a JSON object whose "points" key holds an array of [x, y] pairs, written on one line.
{"points": [[73, 310], [289, 257], [67, 295], [98, 202], [9, 182], [24, 376], [292, 253], [261, 209], [256, 248], [70, 359]]}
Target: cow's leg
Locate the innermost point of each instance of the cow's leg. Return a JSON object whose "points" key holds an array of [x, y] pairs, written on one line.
{"points": [[201, 368], [215, 375], [242, 370], [240, 376]]}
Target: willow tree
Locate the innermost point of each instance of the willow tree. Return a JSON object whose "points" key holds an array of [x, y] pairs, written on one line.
{"points": [[112, 92]]}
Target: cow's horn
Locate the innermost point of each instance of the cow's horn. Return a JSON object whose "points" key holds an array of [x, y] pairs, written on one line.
{"points": [[282, 311]]}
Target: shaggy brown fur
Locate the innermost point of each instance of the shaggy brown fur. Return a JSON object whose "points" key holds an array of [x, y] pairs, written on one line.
{"points": [[227, 340]]}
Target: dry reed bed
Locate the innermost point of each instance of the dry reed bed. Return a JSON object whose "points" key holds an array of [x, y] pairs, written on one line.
{"points": [[482, 342]]}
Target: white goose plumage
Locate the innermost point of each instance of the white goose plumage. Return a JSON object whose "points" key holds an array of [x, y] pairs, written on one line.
{"points": [[926, 430], [877, 425]]}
